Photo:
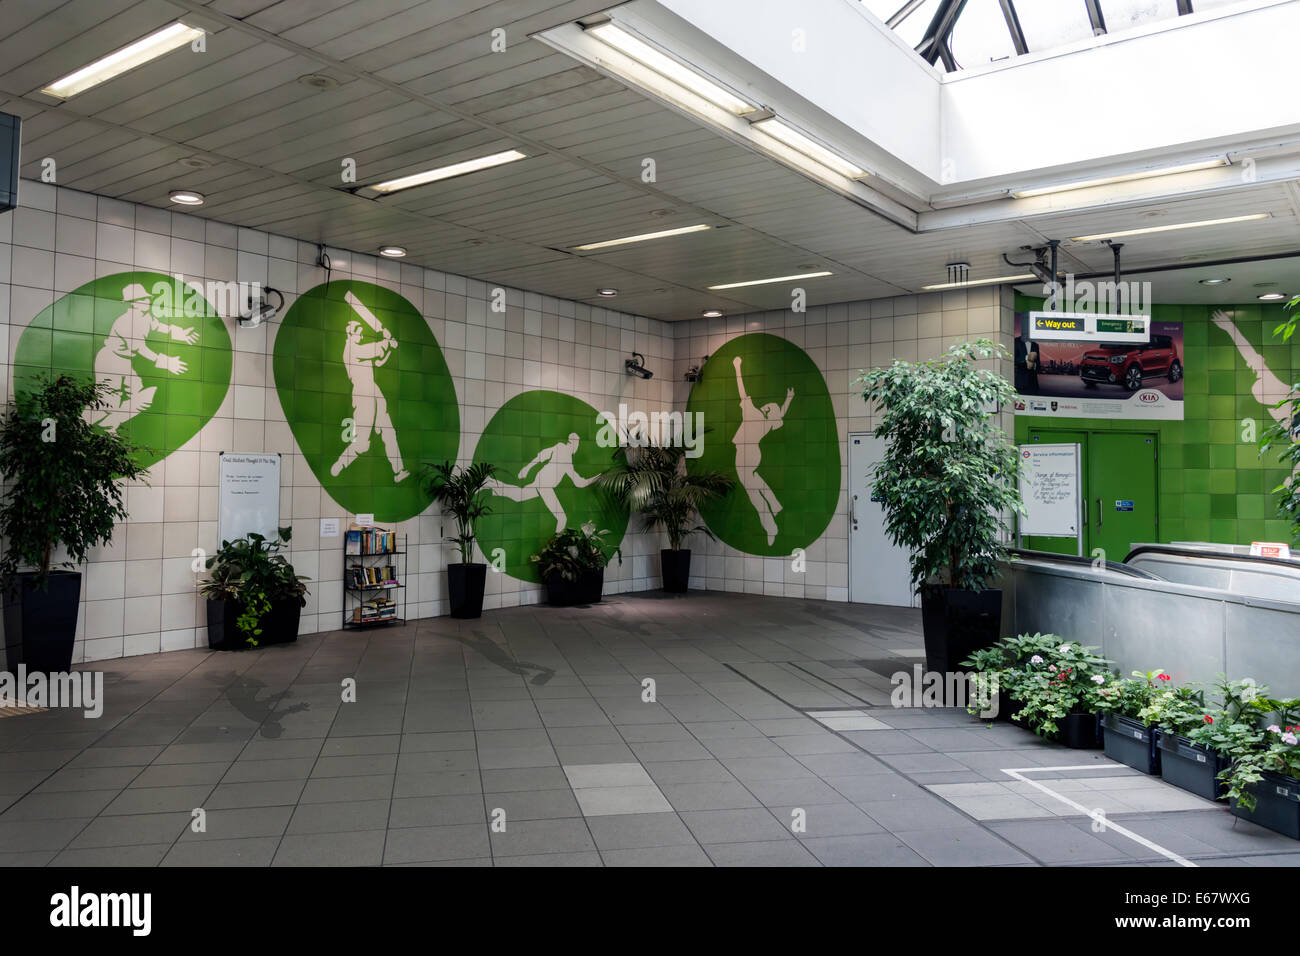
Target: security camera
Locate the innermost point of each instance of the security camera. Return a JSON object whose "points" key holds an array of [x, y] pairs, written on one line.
{"points": [[260, 309], [636, 366]]}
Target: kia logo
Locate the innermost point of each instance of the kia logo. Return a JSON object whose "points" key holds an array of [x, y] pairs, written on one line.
{"points": [[1149, 397]]}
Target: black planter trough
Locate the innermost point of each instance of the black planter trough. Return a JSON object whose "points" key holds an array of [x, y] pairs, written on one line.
{"points": [[1277, 804], [41, 623], [676, 567], [1081, 731], [587, 589], [1131, 742], [1191, 767], [465, 584], [956, 624], [279, 626]]}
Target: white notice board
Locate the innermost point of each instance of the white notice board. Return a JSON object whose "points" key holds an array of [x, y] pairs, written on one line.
{"points": [[249, 499], [1051, 489]]}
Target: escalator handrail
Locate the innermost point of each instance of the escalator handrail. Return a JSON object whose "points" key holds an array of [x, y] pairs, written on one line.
{"points": [[1054, 557], [1169, 549]]}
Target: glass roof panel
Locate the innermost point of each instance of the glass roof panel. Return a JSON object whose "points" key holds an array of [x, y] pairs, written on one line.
{"points": [[1053, 23], [981, 35], [1126, 14]]}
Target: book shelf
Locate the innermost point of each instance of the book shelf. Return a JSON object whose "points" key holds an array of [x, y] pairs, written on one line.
{"points": [[374, 578]]}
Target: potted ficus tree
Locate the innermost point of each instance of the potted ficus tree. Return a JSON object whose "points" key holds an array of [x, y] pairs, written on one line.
{"points": [[254, 597], [651, 480], [63, 489], [573, 565], [947, 483], [463, 493]]}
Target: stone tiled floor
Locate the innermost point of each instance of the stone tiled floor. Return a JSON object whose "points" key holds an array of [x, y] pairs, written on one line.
{"points": [[525, 738]]}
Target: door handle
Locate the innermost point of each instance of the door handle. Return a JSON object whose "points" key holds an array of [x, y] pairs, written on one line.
{"points": [[1099, 513], [853, 518]]}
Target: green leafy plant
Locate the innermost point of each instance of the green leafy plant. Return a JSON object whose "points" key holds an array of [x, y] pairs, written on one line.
{"points": [[574, 551], [1064, 680], [1129, 696], [1284, 436], [652, 480], [949, 476], [63, 475], [999, 667], [462, 493], [253, 572]]}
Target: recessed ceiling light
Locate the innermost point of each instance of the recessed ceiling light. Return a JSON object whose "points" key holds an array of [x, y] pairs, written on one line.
{"points": [[813, 150], [196, 162], [319, 81], [608, 293], [444, 172], [1271, 296], [668, 68], [643, 237], [712, 313], [662, 213], [741, 285], [392, 252], [1171, 227], [128, 58], [1214, 281], [1123, 178], [186, 197], [999, 280]]}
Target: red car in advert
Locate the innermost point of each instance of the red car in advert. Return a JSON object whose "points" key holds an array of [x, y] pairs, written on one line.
{"points": [[1129, 365]]}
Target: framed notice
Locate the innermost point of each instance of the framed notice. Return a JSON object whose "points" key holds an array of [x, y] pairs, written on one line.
{"points": [[249, 498], [1051, 488]]}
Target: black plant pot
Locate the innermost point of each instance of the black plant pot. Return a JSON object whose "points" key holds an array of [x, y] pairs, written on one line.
{"points": [[956, 624], [279, 625], [41, 624], [586, 589], [1081, 731], [1008, 708], [1192, 767], [1277, 804], [1131, 742], [676, 569], [465, 583]]}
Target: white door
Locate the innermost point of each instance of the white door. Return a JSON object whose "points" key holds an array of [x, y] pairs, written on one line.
{"points": [[878, 568]]}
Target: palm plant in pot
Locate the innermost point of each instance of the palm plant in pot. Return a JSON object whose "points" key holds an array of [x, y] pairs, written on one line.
{"points": [[63, 488], [947, 483], [253, 595], [463, 493], [573, 565], [651, 480]]}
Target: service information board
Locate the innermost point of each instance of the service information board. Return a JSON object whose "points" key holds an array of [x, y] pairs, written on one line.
{"points": [[249, 499], [1051, 489], [1099, 378]]}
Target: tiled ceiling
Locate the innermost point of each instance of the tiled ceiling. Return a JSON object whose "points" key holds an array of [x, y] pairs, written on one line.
{"points": [[418, 86]]}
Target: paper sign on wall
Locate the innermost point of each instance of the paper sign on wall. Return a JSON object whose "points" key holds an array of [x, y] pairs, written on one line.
{"points": [[329, 527], [249, 498], [366, 520], [1269, 549], [1049, 486]]}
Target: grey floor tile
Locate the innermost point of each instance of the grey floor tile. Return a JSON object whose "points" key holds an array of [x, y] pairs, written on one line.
{"points": [[239, 823], [913, 813], [331, 789], [533, 804], [49, 806], [140, 854], [252, 851], [734, 826], [358, 848], [358, 765], [873, 849], [438, 844], [437, 811], [660, 856], [962, 846], [436, 784], [269, 793], [159, 799], [689, 771], [581, 858], [524, 778], [531, 837], [132, 829], [339, 817], [639, 830], [709, 796], [768, 853]]}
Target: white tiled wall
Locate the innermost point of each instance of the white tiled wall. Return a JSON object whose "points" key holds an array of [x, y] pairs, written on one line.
{"points": [[139, 592]]}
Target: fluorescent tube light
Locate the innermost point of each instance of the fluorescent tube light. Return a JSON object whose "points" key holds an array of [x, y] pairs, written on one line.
{"points": [[1123, 178], [128, 58], [999, 280], [669, 68], [741, 285], [813, 150], [641, 238], [446, 172], [1171, 227]]}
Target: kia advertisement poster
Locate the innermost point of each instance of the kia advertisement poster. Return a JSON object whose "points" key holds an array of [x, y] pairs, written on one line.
{"points": [[1101, 380]]}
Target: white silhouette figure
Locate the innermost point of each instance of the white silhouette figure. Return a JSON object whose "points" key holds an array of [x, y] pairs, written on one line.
{"points": [[1268, 389], [557, 464], [754, 426], [127, 339], [369, 407]]}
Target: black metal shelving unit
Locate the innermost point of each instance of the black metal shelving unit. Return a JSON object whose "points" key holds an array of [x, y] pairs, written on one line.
{"points": [[354, 597]]}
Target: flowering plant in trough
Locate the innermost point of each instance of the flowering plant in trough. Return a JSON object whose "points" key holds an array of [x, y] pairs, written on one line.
{"points": [[1067, 679]]}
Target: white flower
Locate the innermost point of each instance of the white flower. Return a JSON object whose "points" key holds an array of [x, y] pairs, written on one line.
{"points": [[1274, 729], [1290, 739], [1064, 648], [1098, 679], [1035, 659]]}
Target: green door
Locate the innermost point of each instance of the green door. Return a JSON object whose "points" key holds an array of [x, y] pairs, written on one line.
{"points": [[1121, 491], [1049, 437]]}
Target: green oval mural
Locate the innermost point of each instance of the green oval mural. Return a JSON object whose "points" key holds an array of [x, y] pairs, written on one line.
{"points": [[769, 423], [157, 343], [544, 447], [366, 391]]}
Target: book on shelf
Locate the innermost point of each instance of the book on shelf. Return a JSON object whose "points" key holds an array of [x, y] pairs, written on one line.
{"points": [[375, 609], [372, 577], [364, 540]]}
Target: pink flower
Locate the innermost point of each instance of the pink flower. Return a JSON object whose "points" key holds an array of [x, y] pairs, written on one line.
{"points": [[1290, 739], [1035, 659], [1274, 729], [1164, 677], [1051, 667]]}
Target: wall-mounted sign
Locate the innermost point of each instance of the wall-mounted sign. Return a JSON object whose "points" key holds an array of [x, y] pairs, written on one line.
{"points": [[329, 527], [249, 499], [1124, 505], [1051, 489], [1087, 327], [1269, 549]]}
